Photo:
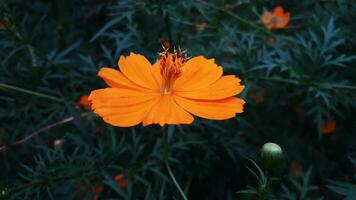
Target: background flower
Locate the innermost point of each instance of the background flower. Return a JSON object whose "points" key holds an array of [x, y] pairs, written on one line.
{"points": [[278, 19]]}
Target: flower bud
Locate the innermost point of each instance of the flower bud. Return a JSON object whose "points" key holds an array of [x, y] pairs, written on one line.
{"points": [[4, 193], [271, 155]]}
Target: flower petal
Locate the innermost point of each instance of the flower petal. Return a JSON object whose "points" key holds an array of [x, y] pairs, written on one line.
{"points": [[267, 17], [114, 78], [138, 69], [127, 116], [226, 86], [119, 97], [217, 110], [166, 111], [156, 73], [278, 12], [283, 21], [121, 106], [198, 72]]}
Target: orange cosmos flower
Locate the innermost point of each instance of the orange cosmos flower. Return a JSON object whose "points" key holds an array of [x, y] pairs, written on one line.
{"points": [[121, 180], [329, 127], [166, 92], [85, 102], [278, 19]]}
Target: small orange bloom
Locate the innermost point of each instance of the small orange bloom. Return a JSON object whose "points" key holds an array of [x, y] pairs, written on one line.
{"points": [[278, 19], [85, 102], [258, 95], [167, 92], [329, 127], [98, 189], [121, 180]]}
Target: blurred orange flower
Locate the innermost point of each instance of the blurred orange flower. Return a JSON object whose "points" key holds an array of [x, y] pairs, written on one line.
{"points": [[4, 23], [329, 127], [167, 92], [85, 102], [258, 95], [296, 169], [97, 190], [278, 19], [121, 180]]}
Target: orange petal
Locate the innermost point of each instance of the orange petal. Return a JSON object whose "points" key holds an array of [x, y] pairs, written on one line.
{"points": [[267, 17], [166, 111], [114, 78], [156, 73], [329, 127], [278, 12], [127, 116], [198, 72], [217, 110], [138, 69], [119, 97], [283, 21], [121, 106], [226, 86]]}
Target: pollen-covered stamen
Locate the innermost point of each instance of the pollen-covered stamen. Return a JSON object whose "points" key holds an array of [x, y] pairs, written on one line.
{"points": [[171, 68]]}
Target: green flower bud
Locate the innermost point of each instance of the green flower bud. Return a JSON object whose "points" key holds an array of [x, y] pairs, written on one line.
{"points": [[4, 193], [271, 155]]}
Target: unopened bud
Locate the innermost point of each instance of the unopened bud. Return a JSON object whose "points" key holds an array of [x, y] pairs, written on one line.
{"points": [[4, 193], [271, 155]]}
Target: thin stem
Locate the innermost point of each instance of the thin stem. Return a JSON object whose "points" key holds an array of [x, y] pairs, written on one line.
{"points": [[10, 87], [246, 22], [166, 162], [278, 80], [240, 19], [169, 31], [30, 136]]}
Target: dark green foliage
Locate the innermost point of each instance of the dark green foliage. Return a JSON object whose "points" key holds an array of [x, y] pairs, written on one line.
{"points": [[346, 189], [296, 78]]}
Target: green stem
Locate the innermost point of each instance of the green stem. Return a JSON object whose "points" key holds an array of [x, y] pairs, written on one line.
{"points": [[10, 87], [166, 162], [169, 31], [247, 22], [240, 19], [278, 80]]}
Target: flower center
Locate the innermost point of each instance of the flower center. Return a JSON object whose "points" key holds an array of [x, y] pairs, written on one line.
{"points": [[277, 20], [171, 68]]}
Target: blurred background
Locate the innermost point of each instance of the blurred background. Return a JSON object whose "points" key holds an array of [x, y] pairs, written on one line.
{"points": [[300, 93]]}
